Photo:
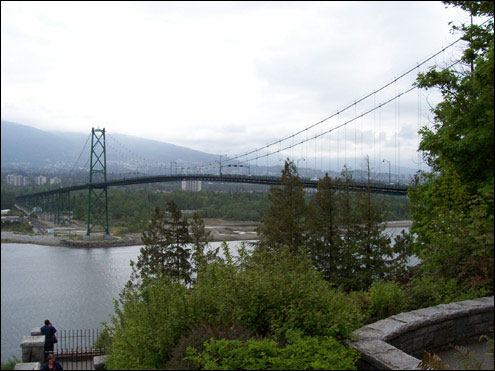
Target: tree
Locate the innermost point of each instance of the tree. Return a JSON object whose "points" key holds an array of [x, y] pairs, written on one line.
{"points": [[199, 239], [165, 251], [453, 205], [454, 232], [324, 237], [348, 221], [461, 139], [8, 199], [375, 252], [283, 222], [346, 238]]}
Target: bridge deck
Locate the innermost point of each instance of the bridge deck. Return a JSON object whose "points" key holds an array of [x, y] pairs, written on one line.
{"points": [[381, 188]]}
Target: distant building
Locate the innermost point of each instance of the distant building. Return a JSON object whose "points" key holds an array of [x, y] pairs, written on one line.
{"points": [[191, 185], [17, 180], [55, 180], [10, 179], [40, 180]]}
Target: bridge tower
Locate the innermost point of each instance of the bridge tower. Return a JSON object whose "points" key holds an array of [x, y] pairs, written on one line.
{"points": [[97, 198]]}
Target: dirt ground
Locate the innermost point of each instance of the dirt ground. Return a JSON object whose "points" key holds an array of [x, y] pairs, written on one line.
{"points": [[221, 230]]}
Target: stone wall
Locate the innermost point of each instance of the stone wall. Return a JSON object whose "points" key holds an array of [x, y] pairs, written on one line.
{"points": [[398, 342]]}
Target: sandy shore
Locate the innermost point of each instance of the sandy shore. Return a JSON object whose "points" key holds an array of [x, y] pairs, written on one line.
{"points": [[221, 230]]}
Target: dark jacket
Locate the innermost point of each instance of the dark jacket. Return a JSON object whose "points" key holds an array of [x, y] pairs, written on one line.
{"points": [[49, 332], [57, 365]]}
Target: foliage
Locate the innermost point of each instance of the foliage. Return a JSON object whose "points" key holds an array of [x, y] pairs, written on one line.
{"points": [[8, 199], [275, 292], [461, 139], [468, 360], [426, 291], [148, 324], [17, 226], [432, 362], [198, 335], [385, 300], [105, 339], [300, 353], [490, 343], [453, 209], [283, 222], [269, 294], [455, 232], [345, 236], [165, 251], [10, 364], [324, 237], [375, 250], [199, 238], [131, 207]]}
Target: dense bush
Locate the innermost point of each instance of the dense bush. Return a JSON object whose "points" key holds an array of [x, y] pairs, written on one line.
{"points": [[267, 294], [274, 292], [429, 291], [300, 353], [10, 364], [198, 335], [17, 226], [385, 300], [148, 325]]}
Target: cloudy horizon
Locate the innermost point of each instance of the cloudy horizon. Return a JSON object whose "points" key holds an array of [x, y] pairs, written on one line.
{"points": [[225, 77]]}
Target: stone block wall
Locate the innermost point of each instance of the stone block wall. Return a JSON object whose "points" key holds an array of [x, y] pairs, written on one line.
{"points": [[398, 342], [33, 348]]}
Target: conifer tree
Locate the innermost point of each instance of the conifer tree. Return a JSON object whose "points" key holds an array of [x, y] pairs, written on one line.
{"points": [[348, 221], [324, 237], [283, 222], [200, 238], [165, 251], [375, 248]]}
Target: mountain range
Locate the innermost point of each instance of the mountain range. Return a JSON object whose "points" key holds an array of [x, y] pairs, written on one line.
{"points": [[27, 147]]}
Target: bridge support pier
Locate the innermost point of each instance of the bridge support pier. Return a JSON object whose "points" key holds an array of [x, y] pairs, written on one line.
{"points": [[98, 204]]}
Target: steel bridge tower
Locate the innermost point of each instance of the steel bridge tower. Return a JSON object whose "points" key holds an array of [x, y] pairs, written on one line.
{"points": [[97, 197]]}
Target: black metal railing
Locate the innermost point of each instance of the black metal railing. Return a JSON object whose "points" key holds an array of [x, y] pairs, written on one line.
{"points": [[75, 349]]}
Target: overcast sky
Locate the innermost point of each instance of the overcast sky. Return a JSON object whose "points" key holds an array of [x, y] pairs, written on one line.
{"points": [[223, 77]]}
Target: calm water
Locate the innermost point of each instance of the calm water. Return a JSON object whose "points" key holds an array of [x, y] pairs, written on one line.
{"points": [[72, 287]]}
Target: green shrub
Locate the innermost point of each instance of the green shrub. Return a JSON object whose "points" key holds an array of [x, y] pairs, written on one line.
{"points": [[361, 300], [429, 291], [267, 294], [272, 293], [200, 334], [10, 364], [385, 299], [300, 353], [149, 324]]}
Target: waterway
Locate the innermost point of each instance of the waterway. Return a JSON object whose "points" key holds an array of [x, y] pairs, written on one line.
{"points": [[72, 287]]}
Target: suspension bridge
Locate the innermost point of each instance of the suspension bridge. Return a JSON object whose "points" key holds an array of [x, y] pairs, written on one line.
{"points": [[345, 134]]}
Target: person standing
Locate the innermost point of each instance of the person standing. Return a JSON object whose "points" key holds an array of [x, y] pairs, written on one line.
{"points": [[49, 331]]}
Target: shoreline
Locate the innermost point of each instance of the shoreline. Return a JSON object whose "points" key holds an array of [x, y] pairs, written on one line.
{"points": [[10, 237], [228, 231]]}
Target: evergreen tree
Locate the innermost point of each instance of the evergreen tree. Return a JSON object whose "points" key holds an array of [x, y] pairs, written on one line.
{"points": [[324, 237], [346, 238], [453, 209], [375, 251], [348, 221], [165, 251], [283, 222], [462, 137], [200, 238]]}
